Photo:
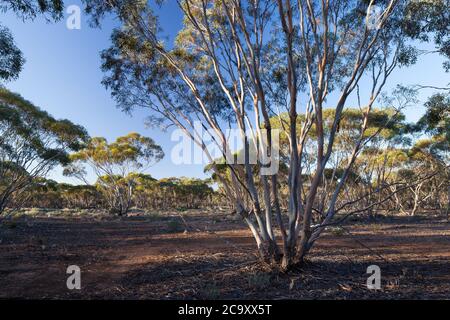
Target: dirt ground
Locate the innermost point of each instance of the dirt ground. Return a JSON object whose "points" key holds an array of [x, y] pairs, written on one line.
{"points": [[151, 257]]}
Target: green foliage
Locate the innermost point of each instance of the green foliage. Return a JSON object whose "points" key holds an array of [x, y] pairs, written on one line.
{"points": [[427, 21], [147, 194], [131, 150], [36, 129], [32, 142], [436, 124], [388, 122], [235, 59], [116, 165], [172, 193], [97, 9], [436, 120], [43, 193], [29, 9], [11, 58]]}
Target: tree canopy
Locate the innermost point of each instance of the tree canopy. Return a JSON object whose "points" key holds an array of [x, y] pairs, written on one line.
{"points": [[32, 142]]}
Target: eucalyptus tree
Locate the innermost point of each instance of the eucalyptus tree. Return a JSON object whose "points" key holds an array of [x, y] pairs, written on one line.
{"points": [[115, 165], [422, 178], [242, 62], [435, 124], [436, 121], [429, 21], [32, 142]]}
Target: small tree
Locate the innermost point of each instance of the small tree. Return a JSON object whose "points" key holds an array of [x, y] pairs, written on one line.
{"points": [[115, 166]]}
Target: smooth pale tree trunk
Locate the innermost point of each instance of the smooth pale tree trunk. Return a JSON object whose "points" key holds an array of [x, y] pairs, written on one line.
{"points": [[300, 26]]}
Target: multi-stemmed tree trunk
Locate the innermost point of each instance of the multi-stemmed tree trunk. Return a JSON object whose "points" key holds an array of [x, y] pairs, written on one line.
{"points": [[245, 62]]}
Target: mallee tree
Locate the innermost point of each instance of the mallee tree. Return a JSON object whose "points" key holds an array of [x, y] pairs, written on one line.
{"points": [[116, 166], [242, 63]]}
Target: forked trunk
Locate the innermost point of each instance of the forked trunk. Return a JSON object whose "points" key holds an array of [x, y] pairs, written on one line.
{"points": [[269, 254], [283, 261]]}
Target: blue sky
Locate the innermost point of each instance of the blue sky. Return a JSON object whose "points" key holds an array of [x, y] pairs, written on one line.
{"points": [[62, 75]]}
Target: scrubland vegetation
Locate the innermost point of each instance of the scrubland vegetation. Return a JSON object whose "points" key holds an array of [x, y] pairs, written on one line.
{"points": [[305, 84]]}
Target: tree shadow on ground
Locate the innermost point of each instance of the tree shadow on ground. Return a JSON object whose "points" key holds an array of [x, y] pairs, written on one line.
{"points": [[241, 278]]}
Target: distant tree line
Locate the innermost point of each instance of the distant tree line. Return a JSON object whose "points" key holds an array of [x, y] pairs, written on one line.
{"points": [[149, 195], [32, 143], [403, 169]]}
